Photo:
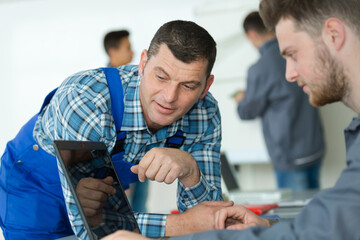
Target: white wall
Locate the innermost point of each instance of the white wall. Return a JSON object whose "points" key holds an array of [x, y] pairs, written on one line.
{"points": [[44, 41]]}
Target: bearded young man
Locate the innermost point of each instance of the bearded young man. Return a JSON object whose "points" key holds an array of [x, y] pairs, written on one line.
{"points": [[320, 41]]}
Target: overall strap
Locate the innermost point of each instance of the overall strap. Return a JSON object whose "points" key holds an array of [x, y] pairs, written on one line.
{"points": [[175, 141], [117, 109], [116, 96], [117, 105], [48, 98]]}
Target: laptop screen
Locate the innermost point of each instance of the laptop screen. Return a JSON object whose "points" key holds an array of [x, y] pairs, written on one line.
{"points": [[228, 174], [79, 160]]}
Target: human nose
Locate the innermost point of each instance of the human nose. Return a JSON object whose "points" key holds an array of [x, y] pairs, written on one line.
{"points": [[291, 73], [171, 92]]}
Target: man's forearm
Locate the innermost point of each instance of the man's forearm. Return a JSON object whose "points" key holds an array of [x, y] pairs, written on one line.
{"points": [[179, 224], [174, 225]]}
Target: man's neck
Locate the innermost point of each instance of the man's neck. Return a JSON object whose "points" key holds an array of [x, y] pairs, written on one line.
{"points": [[352, 100], [116, 63], [265, 38], [351, 63]]}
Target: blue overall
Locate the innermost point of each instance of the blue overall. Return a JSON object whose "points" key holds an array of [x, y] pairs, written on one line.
{"points": [[31, 200]]}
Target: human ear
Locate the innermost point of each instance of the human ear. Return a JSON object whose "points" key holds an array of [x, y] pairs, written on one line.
{"points": [[209, 81], [253, 37], [143, 60], [111, 52], [334, 33], [250, 34]]}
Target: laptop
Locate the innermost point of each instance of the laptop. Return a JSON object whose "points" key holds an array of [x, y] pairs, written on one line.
{"points": [[229, 176], [80, 159]]}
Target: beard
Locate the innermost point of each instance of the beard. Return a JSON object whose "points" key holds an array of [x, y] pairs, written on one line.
{"points": [[332, 75]]}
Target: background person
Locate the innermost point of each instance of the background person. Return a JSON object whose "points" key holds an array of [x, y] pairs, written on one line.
{"points": [[118, 47], [291, 126]]}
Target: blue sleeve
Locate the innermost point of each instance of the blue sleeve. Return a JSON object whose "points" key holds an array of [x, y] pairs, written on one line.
{"points": [[205, 149], [151, 224]]}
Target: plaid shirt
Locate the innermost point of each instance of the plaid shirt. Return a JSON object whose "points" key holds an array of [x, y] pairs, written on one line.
{"points": [[81, 110]]}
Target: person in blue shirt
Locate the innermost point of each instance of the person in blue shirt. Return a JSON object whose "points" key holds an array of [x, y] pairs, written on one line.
{"points": [[291, 127], [165, 95], [320, 41]]}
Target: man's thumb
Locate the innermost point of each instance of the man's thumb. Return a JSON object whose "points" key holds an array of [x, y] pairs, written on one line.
{"points": [[135, 169]]}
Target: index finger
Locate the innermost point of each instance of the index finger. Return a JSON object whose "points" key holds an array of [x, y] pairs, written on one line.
{"points": [[218, 224], [220, 218], [236, 212], [219, 203], [144, 164]]}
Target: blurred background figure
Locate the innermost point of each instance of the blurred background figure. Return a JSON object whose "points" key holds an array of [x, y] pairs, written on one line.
{"points": [[118, 47], [291, 126]]}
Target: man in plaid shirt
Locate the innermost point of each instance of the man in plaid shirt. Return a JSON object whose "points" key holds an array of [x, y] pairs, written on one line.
{"points": [[167, 92]]}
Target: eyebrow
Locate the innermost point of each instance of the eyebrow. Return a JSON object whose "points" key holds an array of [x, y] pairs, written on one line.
{"points": [[161, 70]]}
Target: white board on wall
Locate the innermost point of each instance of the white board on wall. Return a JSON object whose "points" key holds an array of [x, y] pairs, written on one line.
{"points": [[243, 139]]}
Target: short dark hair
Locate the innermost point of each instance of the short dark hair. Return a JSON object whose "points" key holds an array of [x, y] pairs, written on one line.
{"points": [[254, 22], [187, 41], [112, 39], [310, 15]]}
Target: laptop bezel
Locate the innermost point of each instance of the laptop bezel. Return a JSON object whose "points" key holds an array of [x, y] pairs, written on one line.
{"points": [[85, 145]]}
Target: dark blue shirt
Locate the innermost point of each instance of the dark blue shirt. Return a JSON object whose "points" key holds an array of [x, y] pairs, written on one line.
{"points": [[291, 126]]}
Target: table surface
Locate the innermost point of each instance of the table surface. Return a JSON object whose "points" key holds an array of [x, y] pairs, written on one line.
{"points": [[247, 156], [290, 207]]}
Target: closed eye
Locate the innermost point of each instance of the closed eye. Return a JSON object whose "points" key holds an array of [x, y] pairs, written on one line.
{"points": [[191, 86], [160, 77]]}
